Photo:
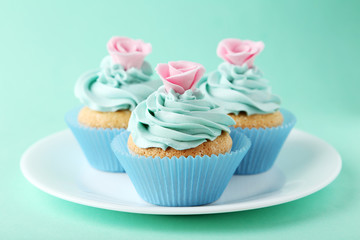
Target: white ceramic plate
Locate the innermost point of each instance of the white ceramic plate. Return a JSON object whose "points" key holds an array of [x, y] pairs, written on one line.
{"points": [[57, 166]]}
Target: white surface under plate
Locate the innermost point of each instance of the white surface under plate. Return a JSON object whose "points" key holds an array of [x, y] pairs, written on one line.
{"points": [[57, 166]]}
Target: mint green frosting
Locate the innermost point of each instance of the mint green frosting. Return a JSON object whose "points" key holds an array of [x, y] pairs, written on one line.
{"points": [[180, 121], [239, 89], [112, 88]]}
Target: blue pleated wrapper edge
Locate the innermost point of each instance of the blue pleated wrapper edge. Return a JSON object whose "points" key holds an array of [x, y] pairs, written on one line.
{"points": [[95, 143], [184, 181], [265, 145]]}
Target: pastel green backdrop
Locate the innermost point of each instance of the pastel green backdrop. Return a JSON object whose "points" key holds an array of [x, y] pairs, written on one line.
{"points": [[311, 59]]}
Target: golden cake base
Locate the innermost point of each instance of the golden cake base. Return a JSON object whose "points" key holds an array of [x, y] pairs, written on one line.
{"points": [[222, 144], [258, 120], [96, 119]]}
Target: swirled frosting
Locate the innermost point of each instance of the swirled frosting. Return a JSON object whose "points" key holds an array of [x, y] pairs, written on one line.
{"points": [[112, 88], [239, 89], [180, 121]]}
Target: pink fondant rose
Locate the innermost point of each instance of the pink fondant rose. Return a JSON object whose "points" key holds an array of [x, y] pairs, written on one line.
{"points": [[128, 52], [239, 52], [180, 75]]}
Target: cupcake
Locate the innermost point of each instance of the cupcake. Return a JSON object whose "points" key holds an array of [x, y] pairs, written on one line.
{"points": [[109, 95], [239, 87], [180, 152]]}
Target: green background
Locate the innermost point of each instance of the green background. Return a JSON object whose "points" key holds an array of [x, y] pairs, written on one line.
{"points": [[311, 59]]}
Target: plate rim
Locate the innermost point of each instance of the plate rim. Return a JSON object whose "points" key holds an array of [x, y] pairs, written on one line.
{"points": [[197, 210]]}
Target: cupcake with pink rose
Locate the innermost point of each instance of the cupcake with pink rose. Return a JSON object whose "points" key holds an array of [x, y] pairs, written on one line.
{"points": [[178, 150], [109, 95], [239, 87]]}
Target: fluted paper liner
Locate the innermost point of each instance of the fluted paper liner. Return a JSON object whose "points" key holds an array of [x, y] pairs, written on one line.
{"points": [[265, 145], [184, 181], [95, 143]]}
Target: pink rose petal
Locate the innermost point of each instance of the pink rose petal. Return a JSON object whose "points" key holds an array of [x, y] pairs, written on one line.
{"points": [[180, 75], [239, 52], [128, 52]]}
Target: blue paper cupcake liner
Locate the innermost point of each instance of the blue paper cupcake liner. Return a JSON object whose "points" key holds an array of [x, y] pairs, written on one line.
{"points": [[184, 181], [265, 145], [95, 143]]}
